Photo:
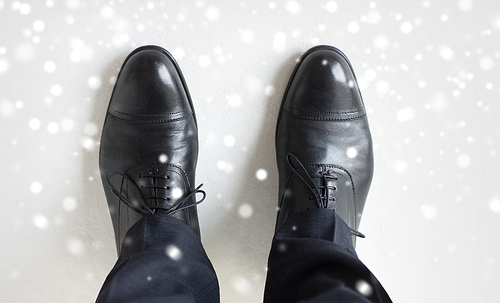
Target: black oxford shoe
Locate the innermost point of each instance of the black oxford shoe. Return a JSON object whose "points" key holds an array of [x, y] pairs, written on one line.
{"points": [[149, 143], [323, 142]]}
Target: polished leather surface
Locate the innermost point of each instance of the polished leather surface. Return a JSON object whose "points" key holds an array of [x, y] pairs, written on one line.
{"points": [[150, 135], [322, 117]]}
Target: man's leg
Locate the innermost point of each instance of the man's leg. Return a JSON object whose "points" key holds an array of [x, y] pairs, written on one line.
{"points": [[147, 159], [161, 260], [312, 259], [325, 163]]}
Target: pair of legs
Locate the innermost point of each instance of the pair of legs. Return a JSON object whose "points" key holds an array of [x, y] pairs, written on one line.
{"points": [[148, 156]]}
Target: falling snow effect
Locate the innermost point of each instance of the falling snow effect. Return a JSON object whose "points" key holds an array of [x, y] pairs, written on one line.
{"points": [[364, 288], [427, 71], [242, 285], [40, 221], [352, 152], [245, 211], [70, 204], [163, 158], [261, 174], [173, 252]]}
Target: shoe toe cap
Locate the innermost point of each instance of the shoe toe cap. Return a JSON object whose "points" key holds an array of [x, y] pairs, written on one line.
{"points": [[324, 87], [150, 87]]}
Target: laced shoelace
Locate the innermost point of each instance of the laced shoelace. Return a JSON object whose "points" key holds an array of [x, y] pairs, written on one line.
{"points": [[322, 199], [144, 208]]}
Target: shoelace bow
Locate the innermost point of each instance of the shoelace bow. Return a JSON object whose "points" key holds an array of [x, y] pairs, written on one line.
{"points": [[322, 199], [145, 209]]}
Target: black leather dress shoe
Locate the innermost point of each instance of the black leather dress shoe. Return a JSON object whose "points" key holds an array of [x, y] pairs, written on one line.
{"points": [[149, 143], [323, 142]]}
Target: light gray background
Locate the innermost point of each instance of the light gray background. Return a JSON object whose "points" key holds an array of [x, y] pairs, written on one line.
{"points": [[428, 72]]}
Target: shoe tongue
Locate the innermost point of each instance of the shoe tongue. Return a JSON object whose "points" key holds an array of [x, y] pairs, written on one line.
{"points": [[161, 185]]}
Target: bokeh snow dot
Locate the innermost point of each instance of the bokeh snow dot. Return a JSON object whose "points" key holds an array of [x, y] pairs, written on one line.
{"points": [[36, 187], [173, 252], [4, 65], [107, 12], [241, 285], [90, 129], [332, 6], [72, 4], [67, 124], [7, 108], [353, 27], [429, 211], [53, 128], [247, 36], [177, 193], [34, 123], [49, 66], [381, 42], [400, 166], [446, 53], [364, 288], [204, 61], [245, 210], [213, 13], [69, 204], [463, 160], [465, 5], [95, 82], [229, 141], [406, 27], [406, 114], [75, 246], [56, 90], [494, 204], [279, 43], [88, 143], [40, 221], [352, 152], [178, 53], [293, 7], [25, 52], [373, 17], [163, 158], [261, 174], [269, 90], [486, 63], [25, 8], [38, 25]]}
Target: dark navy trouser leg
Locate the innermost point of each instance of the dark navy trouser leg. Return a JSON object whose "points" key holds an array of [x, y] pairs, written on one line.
{"points": [[312, 259], [162, 260]]}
